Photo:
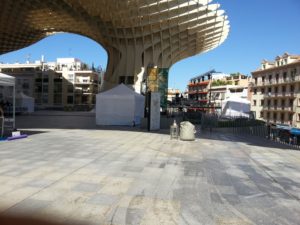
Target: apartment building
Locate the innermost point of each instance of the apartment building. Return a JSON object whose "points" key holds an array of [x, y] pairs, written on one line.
{"points": [[172, 94], [275, 90], [230, 86], [198, 90], [67, 83], [210, 90]]}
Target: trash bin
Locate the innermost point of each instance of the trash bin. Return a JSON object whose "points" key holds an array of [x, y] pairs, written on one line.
{"points": [[187, 131]]}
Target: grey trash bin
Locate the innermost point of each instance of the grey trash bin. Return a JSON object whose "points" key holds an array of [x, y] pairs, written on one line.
{"points": [[187, 131]]}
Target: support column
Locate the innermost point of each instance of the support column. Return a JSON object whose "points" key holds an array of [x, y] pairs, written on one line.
{"points": [[163, 76]]}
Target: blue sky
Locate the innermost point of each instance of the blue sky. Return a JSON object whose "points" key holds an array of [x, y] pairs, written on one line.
{"points": [[260, 29]]}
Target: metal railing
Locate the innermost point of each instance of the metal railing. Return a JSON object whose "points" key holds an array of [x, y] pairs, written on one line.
{"points": [[249, 127]]}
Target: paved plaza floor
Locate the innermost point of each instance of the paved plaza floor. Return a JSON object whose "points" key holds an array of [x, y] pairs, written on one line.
{"points": [[130, 176]]}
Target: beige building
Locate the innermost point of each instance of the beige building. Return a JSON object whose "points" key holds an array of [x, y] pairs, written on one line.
{"points": [[275, 90], [172, 94], [208, 91], [234, 85], [66, 83]]}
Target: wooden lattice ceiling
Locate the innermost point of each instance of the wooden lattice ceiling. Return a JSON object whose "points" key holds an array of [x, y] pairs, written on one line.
{"points": [[135, 33]]}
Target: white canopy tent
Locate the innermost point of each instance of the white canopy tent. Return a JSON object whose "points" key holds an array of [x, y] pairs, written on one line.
{"points": [[24, 103], [119, 106], [9, 81], [236, 107]]}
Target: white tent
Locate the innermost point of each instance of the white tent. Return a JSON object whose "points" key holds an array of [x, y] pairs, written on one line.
{"points": [[236, 107], [25, 101], [119, 106], [6, 80]]}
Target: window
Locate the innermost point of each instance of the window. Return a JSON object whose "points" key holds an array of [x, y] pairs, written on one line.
{"points": [[57, 99], [270, 79], [277, 78], [45, 88], [255, 91], [70, 76], [292, 88], [25, 85], [130, 80], [57, 88], [122, 79], [261, 114], [291, 102], [283, 89], [276, 90], [19, 81], [263, 79], [70, 89], [255, 80], [45, 99], [269, 103], [38, 88], [298, 116], [70, 100], [268, 115], [282, 117], [262, 90], [291, 118], [254, 102], [284, 76], [275, 103], [293, 73], [261, 102]]}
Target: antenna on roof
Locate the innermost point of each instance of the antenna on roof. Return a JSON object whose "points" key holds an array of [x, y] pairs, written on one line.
{"points": [[28, 58], [70, 52]]}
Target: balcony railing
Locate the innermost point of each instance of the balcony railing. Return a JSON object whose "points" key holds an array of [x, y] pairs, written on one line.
{"points": [[278, 81]]}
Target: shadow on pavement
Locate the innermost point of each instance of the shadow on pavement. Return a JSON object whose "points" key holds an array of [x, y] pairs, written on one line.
{"points": [[82, 121], [247, 139]]}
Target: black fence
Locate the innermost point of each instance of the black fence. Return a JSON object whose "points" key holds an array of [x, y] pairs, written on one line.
{"points": [[242, 126]]}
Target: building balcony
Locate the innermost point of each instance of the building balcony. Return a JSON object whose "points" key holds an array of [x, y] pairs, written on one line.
{"points": [[279, 95], [278, 108], [192, 92], [83, 83], [202, 83]]}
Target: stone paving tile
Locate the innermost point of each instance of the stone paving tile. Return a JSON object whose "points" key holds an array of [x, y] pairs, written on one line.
{"points": [[86, 187], [116, 185], [103, 199], [28, 207], [39, 183], [122, 216], [133, 169], [215, 198], [49, 194], [64, 185]]}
